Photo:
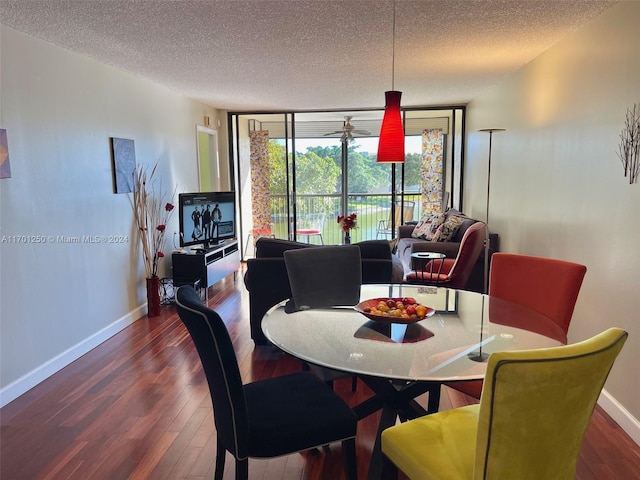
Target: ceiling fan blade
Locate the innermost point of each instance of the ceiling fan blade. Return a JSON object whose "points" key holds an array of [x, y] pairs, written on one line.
{"points": [[348, 130]]}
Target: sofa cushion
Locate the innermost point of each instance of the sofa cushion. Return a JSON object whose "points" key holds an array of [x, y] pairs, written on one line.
{"points": [[466, 223], [427, 226], [447, 230]]}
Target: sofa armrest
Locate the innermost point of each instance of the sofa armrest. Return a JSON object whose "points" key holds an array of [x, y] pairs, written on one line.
{"points": [[267, 247], [267, 281], [377, 270]]}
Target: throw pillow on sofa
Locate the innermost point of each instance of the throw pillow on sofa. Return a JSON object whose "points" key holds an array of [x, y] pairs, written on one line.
{"points": [[428, 226], [447, 230]]}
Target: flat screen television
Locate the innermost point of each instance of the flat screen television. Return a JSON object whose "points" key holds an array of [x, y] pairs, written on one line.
{"points": [[206, 218]]}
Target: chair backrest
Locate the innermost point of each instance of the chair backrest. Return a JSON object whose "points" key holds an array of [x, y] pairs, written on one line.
{"points": [[546, 285], [470, 249], [403, 212], [536, 405], [324, 276], [218, 358], [312, 220]]}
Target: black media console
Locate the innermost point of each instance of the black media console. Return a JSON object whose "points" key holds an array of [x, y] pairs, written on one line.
{"points": [[208, 266]]}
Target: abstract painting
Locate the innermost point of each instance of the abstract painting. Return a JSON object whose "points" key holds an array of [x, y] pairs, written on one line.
{"points": [[123, 156], [5, 166]]}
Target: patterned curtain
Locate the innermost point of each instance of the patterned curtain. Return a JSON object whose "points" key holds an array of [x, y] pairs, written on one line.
{"points": [[432, 170], [260, 193]]}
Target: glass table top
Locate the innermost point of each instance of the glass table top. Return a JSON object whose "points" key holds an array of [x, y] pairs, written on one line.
{"points": [[443, 347]]}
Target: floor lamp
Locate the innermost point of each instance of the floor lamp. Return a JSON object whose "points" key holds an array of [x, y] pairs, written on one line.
{"points": [[487, 240]]}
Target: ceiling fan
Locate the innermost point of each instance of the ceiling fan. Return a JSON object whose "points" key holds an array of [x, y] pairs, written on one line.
{"points": [[348, 131]]}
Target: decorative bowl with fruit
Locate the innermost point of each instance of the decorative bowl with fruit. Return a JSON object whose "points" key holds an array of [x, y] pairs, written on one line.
{"points": [[394, 310]]}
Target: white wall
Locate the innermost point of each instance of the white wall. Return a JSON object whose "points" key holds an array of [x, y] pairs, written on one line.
{"points": [[557, 186], [59, 108]]}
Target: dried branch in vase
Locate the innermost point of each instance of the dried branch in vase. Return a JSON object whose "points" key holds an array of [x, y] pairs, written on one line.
{"points": [[629, 147], [151, 215]]}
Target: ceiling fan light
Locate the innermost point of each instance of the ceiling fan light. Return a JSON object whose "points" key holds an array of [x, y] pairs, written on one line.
{"points": [[391, 144]]}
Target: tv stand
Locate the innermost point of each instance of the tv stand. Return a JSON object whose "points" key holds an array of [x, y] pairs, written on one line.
{"points": [[209, 266], [208, 247]]}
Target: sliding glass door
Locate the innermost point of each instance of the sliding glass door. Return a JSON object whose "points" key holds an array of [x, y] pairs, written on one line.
{"points": [[298, 171]]}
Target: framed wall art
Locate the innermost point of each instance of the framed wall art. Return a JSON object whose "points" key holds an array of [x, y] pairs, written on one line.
{"points": [[123, 157], [5, 166]]}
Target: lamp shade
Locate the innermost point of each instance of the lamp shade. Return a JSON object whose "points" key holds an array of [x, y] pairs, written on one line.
{"points": [[391, 145]]}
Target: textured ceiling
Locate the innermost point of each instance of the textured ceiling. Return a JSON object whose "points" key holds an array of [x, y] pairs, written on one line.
{"points": [[307, 54]]}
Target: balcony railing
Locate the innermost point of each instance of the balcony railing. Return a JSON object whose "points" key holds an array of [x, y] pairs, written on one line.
{"points": [[373, 210]]}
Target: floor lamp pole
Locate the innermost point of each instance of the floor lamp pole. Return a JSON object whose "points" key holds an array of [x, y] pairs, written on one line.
{"points": [[345, 179], [487, 239]]}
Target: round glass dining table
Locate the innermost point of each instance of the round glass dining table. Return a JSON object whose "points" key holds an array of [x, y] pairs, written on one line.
{"points": [[400, 361], [448, 346]]}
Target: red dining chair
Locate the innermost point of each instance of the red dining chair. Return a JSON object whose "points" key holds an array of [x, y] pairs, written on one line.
{"points": [[449, 272], [546, 285]]}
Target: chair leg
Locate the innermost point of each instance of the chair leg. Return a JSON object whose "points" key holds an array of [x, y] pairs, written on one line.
{"points": [[349, 459], [354, 383], [389, 469], [242, 469], [220, 456], [433, 403]]}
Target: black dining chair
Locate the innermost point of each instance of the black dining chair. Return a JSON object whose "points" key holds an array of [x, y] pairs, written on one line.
{"points": [[324, 277], [266, 418]]}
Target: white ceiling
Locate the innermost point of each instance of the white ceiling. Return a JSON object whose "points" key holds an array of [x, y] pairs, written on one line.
{"points": [[245, 55]]}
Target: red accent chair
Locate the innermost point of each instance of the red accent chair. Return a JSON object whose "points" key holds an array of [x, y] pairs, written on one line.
{"points": [[546, 285], [453, 273]]}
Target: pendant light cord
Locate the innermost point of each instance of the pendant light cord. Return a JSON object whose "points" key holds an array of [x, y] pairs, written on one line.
{"points": [[393, 49]]}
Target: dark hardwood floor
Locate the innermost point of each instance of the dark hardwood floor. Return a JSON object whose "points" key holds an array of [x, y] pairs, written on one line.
{"points": [[138, 407]]}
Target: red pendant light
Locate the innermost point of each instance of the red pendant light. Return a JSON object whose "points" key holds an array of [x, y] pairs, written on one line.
{"points": [[391, 144]]}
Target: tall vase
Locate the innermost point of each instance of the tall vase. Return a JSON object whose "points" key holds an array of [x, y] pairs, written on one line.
{"points": [[153, 296], [347, 238]]}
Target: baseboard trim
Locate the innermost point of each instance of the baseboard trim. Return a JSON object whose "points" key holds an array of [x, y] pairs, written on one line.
{"points": [[609, 404], [44, 371], [620, 415]]}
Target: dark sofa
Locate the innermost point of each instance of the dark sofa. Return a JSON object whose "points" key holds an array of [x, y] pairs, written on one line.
{"points": [[268, 284], [407, 245]]}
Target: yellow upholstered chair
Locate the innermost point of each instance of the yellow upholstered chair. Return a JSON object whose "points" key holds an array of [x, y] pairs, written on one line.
{"points": [[521, 430]]}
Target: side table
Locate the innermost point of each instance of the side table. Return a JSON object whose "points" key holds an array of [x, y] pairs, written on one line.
{"points": [[422, 259]]}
